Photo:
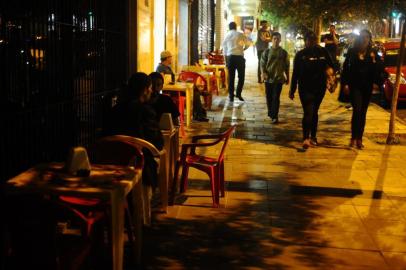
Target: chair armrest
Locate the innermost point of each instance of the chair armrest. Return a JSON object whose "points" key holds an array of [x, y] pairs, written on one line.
{"points": [[206, 136], [193, 146], [141, 143]]}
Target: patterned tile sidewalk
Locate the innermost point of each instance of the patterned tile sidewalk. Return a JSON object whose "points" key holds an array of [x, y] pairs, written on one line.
{"points": [[330, 207]]}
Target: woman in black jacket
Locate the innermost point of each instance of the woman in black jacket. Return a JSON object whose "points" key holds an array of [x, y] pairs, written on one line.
{"points": [[309, 72], [362, 71]]}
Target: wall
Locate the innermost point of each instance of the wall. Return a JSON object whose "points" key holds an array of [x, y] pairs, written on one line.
{"points": [[172, 30], [183, 56], [145, 36]]}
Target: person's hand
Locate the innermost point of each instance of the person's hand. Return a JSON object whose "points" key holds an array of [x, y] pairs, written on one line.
{"points": [[375, 87], [264, 77], [346, 89], [291, 96]]}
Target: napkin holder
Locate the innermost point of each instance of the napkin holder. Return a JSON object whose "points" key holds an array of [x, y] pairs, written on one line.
{"points": [[166, 123], [167, 78], [78, 162]]}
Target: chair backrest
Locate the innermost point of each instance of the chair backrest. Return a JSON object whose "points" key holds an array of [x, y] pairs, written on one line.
{"points": [[118, 150], [166, 122], [225, 136], [215, 58], [194, 77]]}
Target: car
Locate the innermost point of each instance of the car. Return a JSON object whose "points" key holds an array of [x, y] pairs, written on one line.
{"points": [[390, 55]]}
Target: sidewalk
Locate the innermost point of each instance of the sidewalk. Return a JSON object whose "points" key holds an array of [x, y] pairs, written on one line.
{"points": [[330, 207]]}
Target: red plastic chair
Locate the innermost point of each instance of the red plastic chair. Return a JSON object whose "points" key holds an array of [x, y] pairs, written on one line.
{"points": [[215, 58], [194, 77], [214, 167]]}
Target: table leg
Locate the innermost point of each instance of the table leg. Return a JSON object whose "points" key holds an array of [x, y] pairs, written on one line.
{"points": [[117, 229], [189, 104]]}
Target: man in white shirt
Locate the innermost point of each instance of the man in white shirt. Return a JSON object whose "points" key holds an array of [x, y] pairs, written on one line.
{"points": [[234, 45]]}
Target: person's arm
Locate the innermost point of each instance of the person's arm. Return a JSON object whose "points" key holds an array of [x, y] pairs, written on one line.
{"points": [[247, 42], [329, 61], [287, 66], [346, 72], [224, 46], [263, 62], [295, 75]]}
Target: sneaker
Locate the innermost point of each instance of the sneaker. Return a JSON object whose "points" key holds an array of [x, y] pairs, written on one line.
{"points": [[274, 120], [313, 142], [240, 98], [306, 144], [231, 99]]}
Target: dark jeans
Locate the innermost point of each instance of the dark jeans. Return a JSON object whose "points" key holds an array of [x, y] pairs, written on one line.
{"points": [[259, 66], [235, 63], [360, 99], [310, 104], [273, 93], [198, 110]]}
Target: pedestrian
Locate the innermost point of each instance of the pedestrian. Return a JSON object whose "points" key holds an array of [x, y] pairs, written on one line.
{"points": [[275, 71], [234, 45], [362, 72], [331, 41], [264, 37], [309, 72], [164, 67]]}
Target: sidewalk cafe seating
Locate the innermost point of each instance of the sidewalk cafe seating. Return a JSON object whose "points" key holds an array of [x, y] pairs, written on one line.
{"points": [[200, 82], [215, 58], [112, 150], [213, 166]]}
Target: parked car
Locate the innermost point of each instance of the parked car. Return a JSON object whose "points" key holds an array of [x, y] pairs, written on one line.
{"points": [[390, 54]]}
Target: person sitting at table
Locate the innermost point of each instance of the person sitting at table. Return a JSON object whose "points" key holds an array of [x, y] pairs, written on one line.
{"points": [[164, 67], [134, 116], [162, 103]]}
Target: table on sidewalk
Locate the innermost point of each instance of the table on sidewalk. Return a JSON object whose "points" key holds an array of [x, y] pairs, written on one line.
{"points": [[217, 71], [107, 182], [186, 88]]}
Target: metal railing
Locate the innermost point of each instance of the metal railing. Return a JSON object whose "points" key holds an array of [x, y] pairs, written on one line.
{"points": [[59, 60]]}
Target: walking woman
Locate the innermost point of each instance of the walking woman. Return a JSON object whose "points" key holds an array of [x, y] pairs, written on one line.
{"points": [[309, 72], [362, 72]]}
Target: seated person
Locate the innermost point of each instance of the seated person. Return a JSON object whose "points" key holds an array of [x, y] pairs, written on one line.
{"points": [[164, 67], [133, 116], [162, 103]]}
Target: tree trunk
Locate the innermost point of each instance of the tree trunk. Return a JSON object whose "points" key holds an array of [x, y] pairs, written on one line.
{"points": [[391, 135], [317, 25]]}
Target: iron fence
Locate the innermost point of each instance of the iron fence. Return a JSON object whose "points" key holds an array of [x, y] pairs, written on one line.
{"points": [[59, 60]]}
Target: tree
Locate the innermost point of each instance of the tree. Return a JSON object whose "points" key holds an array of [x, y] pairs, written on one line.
{"points": [[299, 14], [391, 139]]}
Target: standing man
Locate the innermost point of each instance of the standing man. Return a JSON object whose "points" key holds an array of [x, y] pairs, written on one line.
{"points": [[234, 45], [275, 71], [331, 44], [263, 39], [309, 72]]}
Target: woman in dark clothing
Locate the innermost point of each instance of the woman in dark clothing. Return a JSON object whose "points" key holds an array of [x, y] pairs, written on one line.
{"points": [[133, 116], [361, 73], [309, 72], [162, 103]]}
